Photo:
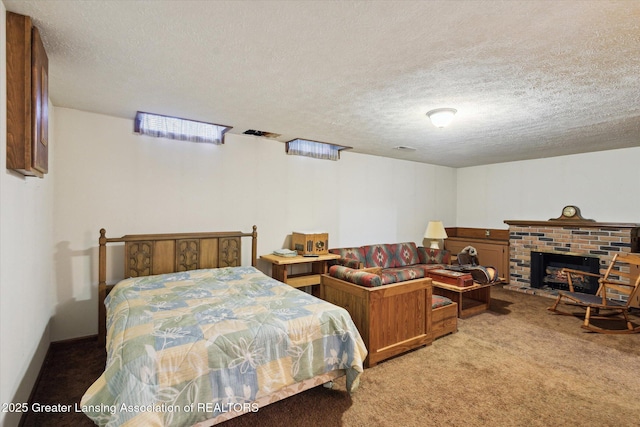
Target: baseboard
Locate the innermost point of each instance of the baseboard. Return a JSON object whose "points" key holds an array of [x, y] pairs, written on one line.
{"points": [[28, 385], [75, 340], [50, 346]]}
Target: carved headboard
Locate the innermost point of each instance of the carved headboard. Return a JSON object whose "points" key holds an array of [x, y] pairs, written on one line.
{"points": [[148, 254]]}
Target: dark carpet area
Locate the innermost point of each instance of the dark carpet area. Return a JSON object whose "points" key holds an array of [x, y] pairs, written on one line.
{"points": [[68, 372]]}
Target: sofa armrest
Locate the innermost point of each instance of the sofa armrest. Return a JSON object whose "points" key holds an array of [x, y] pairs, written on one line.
{"points": [[357, 277]]}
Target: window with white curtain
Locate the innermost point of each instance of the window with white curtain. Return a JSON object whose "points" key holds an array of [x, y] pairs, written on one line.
{"points": [[315, 149], [176, 128]]}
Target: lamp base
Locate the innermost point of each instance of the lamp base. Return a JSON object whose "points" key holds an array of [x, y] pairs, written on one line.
{"points": [[435, 244]]}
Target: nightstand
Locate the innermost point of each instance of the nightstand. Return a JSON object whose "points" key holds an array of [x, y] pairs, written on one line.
{"points": [[317, 266]]}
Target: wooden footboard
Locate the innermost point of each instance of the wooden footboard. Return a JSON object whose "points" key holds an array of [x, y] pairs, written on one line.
{"points": [[391, 319]]}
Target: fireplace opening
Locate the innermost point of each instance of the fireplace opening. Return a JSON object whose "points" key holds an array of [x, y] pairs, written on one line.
{"points": [[546, 271]]}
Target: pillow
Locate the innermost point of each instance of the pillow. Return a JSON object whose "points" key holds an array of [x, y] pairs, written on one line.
{"points": [[434, 256], [378, 256], [350, 257], [406, 254]]}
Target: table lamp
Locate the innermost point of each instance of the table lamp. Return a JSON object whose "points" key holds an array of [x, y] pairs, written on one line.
{"points": [[435, 232]]}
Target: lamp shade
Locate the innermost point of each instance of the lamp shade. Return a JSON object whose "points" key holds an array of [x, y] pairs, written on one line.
{"points": [[435, 232], [442, 117]]}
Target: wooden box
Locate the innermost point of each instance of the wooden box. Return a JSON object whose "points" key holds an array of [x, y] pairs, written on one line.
{"points": [[455, 278], [310, 243]]}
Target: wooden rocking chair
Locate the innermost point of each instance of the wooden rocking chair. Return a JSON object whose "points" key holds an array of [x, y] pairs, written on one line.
{"points": [[624, 268]]}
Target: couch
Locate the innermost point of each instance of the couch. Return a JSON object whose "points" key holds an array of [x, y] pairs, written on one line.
{"points": [[384, 289], [391, 263]]}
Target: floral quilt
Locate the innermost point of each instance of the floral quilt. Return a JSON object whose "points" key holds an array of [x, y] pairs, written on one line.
{"points": [[190, 346]]}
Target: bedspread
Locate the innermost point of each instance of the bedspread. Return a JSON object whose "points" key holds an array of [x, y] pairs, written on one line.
{"points": [[183, 347]]}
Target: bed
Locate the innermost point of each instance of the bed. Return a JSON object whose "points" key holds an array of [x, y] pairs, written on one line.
{"points": [[193, 338]]}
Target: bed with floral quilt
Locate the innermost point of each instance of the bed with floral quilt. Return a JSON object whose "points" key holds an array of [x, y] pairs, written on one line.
{"points": [[202, 346]]}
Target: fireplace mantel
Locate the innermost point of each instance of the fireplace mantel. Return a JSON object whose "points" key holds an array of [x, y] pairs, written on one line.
{"points": [[570, 223]]}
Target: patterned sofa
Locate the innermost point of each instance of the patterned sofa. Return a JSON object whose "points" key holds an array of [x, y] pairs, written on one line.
{"points": [[383, 264], [384, 289]]}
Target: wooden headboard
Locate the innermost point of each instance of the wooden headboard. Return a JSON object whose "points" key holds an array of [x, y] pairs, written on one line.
{"points": [[148, 254]]}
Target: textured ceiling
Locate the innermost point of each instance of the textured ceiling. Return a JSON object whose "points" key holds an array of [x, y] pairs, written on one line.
{"points": [[529, 79]]}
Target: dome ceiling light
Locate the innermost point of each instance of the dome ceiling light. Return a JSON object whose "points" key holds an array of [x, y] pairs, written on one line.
{"points": [[442, 117]]}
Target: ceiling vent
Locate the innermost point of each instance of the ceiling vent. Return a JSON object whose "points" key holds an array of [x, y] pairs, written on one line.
{"points": [[261, 133]]}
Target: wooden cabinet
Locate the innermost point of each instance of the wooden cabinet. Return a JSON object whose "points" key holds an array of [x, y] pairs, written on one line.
{"points": [[492, 246], [27, 98]]}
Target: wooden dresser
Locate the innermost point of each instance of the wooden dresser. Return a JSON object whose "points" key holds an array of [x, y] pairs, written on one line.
{"points": [[492, 245]]}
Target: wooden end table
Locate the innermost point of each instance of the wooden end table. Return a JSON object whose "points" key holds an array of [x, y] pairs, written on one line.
{"points": [[318, 266], [471, 299]]}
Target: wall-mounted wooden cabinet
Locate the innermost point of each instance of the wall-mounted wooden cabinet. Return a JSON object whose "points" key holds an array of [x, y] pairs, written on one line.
{"points": [[27, 98], [492, 246]]}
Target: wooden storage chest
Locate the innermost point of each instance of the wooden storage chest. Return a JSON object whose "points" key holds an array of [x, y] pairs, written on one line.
{"points": [[455, 278]]}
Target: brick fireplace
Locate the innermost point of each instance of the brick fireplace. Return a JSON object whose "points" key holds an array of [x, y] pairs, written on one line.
{"points": [[573, 237]]}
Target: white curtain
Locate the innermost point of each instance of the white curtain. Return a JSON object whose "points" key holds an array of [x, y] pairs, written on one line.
{"points": [[317, 150], [180, 129]]}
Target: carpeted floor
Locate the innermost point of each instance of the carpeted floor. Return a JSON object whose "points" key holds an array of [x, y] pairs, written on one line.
{"points": [[516, 365]]}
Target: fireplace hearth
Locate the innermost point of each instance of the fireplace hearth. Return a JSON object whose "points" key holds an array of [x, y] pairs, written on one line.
{"points": [[546, 271]]}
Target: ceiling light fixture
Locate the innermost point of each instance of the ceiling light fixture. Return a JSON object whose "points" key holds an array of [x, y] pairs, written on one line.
{"points": [[442, 117]]}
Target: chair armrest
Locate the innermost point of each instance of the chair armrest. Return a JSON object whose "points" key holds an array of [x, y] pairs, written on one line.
{"points": [[570, 271]]}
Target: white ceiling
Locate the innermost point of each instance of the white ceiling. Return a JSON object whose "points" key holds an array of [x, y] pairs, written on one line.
{"points": [[529, 79]]}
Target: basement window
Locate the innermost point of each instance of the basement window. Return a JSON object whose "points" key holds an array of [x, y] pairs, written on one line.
{"points": [[176, 128], [315, 149]]}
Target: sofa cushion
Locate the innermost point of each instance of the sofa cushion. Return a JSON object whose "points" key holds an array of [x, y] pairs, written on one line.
{"points": [[405, 254], [439, 301], [434, 256], [401, 274], [379, 255], [388, 278], [358, 277]]}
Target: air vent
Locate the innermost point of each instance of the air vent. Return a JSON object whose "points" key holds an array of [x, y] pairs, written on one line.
{"points": [[261, 133], [404, 148]]}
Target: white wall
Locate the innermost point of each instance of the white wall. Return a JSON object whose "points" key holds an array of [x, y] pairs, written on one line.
{"points": [[108, 177], [26, 264], [604, 185]]}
